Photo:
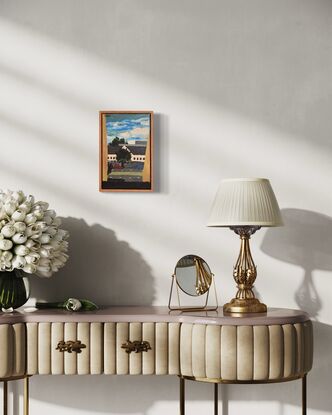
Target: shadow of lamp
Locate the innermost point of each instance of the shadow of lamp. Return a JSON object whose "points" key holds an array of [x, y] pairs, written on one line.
{"points": [[306, 241], [245, 205]]}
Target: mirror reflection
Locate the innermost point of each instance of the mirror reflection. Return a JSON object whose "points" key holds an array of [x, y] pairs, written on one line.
{"points": [[193, 275]]}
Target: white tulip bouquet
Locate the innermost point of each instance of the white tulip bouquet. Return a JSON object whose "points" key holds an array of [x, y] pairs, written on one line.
{"points": [[30, 236]]}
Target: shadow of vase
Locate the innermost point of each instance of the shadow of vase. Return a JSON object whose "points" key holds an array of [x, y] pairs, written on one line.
{"points": [[100, 268], [306, 241]]}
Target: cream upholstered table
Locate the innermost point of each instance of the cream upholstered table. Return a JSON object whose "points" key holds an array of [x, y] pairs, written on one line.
{"points": [[203, 346]]}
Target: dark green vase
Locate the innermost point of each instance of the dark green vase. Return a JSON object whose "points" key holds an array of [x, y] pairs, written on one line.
{"points": [[14, 289]]}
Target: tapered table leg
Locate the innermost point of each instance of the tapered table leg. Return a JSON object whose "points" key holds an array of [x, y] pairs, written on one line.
{"points": [[182, 397], [26, 396], [216, 399], [5, 397], [304, 395]]}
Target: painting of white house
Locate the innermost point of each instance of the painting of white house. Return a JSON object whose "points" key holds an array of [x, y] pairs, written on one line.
{"points": [[126, 139]]}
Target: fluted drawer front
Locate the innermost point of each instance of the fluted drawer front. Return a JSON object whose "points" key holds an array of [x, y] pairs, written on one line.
{"points": [[234, 353], [102, 350], [12, 350], [246, 353]]}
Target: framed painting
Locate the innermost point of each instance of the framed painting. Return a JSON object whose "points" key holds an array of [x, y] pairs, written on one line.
{"points": [[126, 151]]}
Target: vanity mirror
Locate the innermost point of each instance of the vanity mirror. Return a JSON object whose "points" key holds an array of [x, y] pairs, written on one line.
{"points": [[192, 277]]}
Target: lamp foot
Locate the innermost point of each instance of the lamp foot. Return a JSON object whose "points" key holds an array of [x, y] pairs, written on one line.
{"points": [[248, 305]]}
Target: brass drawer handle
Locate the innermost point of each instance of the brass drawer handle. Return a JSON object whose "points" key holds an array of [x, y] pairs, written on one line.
{"points": [[70, 346], [136, 346]]}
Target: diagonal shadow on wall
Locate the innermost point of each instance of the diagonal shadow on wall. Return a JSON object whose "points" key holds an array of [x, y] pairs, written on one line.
{"points": [[268, 62]]}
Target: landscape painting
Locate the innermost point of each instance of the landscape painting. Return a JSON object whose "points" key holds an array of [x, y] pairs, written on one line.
{"points": [[126, 143]]}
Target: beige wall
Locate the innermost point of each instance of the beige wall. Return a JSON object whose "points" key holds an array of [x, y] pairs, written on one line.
{"points": [[239, 88]]}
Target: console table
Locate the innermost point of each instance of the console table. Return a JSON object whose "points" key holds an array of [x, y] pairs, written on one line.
{"points": [[276, 346]]}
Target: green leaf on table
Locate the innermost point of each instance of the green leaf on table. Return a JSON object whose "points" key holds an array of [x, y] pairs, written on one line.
{"points": [[88, 305]]}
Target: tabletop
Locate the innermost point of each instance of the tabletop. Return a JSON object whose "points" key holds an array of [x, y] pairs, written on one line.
{"points": [[154, 314]]}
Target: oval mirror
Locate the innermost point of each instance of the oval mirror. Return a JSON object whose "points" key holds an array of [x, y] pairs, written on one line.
{"points": [[193, 275]]}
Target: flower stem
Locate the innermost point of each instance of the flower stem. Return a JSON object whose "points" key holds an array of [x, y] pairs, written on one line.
{"points": [[50, 305]]}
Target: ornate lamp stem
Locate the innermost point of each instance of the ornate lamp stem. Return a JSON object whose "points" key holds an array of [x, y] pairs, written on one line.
{"points": [[245, 275]]}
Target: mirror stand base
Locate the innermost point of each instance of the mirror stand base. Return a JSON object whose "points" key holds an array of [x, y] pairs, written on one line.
{"points": [[204, 307]]}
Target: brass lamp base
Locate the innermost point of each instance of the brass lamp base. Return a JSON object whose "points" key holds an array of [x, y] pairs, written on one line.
{"points": [[244, 274], [248, 305]]}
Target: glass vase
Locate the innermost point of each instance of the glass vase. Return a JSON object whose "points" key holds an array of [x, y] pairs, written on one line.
{"points": [[14, 289]]}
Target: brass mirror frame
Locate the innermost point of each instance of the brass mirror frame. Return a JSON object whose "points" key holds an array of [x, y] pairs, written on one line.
{"points": [[204, 282], [203, 275]]}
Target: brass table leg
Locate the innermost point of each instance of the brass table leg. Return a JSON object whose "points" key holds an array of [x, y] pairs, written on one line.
{"points": [[216, 399], [26, 396], [5, 397], [304, 395], [25, 393], [182, 397]]}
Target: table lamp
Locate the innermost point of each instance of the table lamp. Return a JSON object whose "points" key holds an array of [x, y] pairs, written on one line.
{"points": [[245, 205]]}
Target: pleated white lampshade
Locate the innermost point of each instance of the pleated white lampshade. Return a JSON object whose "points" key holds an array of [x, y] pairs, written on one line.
{"points": [[245, 202]]}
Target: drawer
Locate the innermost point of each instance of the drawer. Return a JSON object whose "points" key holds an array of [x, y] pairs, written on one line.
{"points": [[12, 350], [246, 353], [207, 351], [103, 352]]}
